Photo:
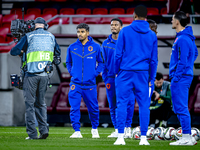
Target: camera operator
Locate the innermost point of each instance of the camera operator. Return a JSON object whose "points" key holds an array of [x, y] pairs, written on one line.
{"points": [[160, 108], [40, 47]]}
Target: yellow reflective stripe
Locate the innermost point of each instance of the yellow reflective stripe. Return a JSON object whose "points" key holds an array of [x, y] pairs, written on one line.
{"points": [[39, 56]]}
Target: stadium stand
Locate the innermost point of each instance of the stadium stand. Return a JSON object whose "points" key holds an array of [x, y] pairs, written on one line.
{"points": [[152, 11], [81, 11], [35, 11], [52, 11], [3, 32], [6, 21]]}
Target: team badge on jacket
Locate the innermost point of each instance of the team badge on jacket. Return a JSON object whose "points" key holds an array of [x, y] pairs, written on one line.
{"points": [[90, 48], [73, 87]]}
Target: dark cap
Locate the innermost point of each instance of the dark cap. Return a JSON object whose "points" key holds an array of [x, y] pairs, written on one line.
{"points": [[40, 20]]}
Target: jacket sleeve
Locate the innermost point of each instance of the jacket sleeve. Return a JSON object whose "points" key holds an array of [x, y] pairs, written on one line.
{"points": [[69, 61], [100, 61], [57, 50], [168, 96], [103, 50], [21, 45], [153, 62], [183, 52], [196, 53], [119, 51]]}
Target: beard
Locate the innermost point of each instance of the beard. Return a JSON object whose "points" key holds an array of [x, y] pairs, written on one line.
{"points": [[173, 27], [114, 33]]}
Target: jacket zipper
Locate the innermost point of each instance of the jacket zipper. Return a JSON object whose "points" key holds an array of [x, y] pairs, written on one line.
{"points": [[82, 63]]}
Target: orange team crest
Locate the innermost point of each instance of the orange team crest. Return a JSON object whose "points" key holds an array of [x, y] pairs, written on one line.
{"points": [[73, 87], [108, 85], [90, 48]]}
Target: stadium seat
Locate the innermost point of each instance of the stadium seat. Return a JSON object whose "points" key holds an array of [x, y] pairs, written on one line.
{"points": [[100, 11], [106, 20], [193, 98], [35, 11], [17, 11], [68, 11], [109, 0], [130, 11], [3, 32], [152, 11], [63, 11], [62, 97], [6, 21], [197, 103], [127, 20], [136, 108], [52, 11], [58, 0], [56, 97], [6, 49], [83, 11], [102, 97], [29, 17], [95, 20], [1, 19], [166, 77], [163, 11], [65, 77], [126, 0], [46, 16], [160, 0], [92, 0], [117, 11]]}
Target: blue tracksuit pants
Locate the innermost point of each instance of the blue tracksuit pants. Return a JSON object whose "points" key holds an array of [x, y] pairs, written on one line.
{"points": [[111, 96], [136, 83], [180, 91], [89, 95]]}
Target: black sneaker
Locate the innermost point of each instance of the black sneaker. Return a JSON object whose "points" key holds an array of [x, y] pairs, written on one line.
{"points": [[43, 136]]}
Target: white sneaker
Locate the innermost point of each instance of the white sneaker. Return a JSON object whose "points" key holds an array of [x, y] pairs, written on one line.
{"points": [[120, 141], [113, 135], [76, 134], [144, 142], [185, 141], [95, 133], [127, 133]]}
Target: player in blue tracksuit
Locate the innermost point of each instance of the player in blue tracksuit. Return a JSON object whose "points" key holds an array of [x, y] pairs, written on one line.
{"points": [[108, 49], [82, 57], [135, 66], [184, 53]]}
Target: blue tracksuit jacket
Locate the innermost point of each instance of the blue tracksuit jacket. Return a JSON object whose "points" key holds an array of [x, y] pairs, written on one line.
{"points": [[143, 54], [184, 53], [81, 62], [108, 48]]}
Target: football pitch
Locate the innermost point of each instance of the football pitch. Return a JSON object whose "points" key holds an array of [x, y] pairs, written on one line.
{"points": [[13, 138]]}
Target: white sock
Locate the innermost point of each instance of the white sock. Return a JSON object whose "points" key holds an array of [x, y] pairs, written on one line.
{"points": [[157, 121], [120, 135], [186, 135], [164, 123], [143, 137], [116, 130]]}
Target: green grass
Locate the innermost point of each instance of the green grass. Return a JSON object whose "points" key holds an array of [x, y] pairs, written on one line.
{"points": [[13, 138]]}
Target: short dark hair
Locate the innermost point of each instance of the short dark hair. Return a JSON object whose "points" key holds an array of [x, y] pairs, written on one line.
{"points": [[150, 21], [83, 26], [117, 19], [181, 17], [141, 11], [159, 76]]}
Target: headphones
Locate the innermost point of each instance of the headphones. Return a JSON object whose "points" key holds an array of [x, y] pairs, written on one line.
{"points": [[46, 26]]}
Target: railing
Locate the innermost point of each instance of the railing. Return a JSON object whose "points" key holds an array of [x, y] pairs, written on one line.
{"points": [[107, 16]]}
